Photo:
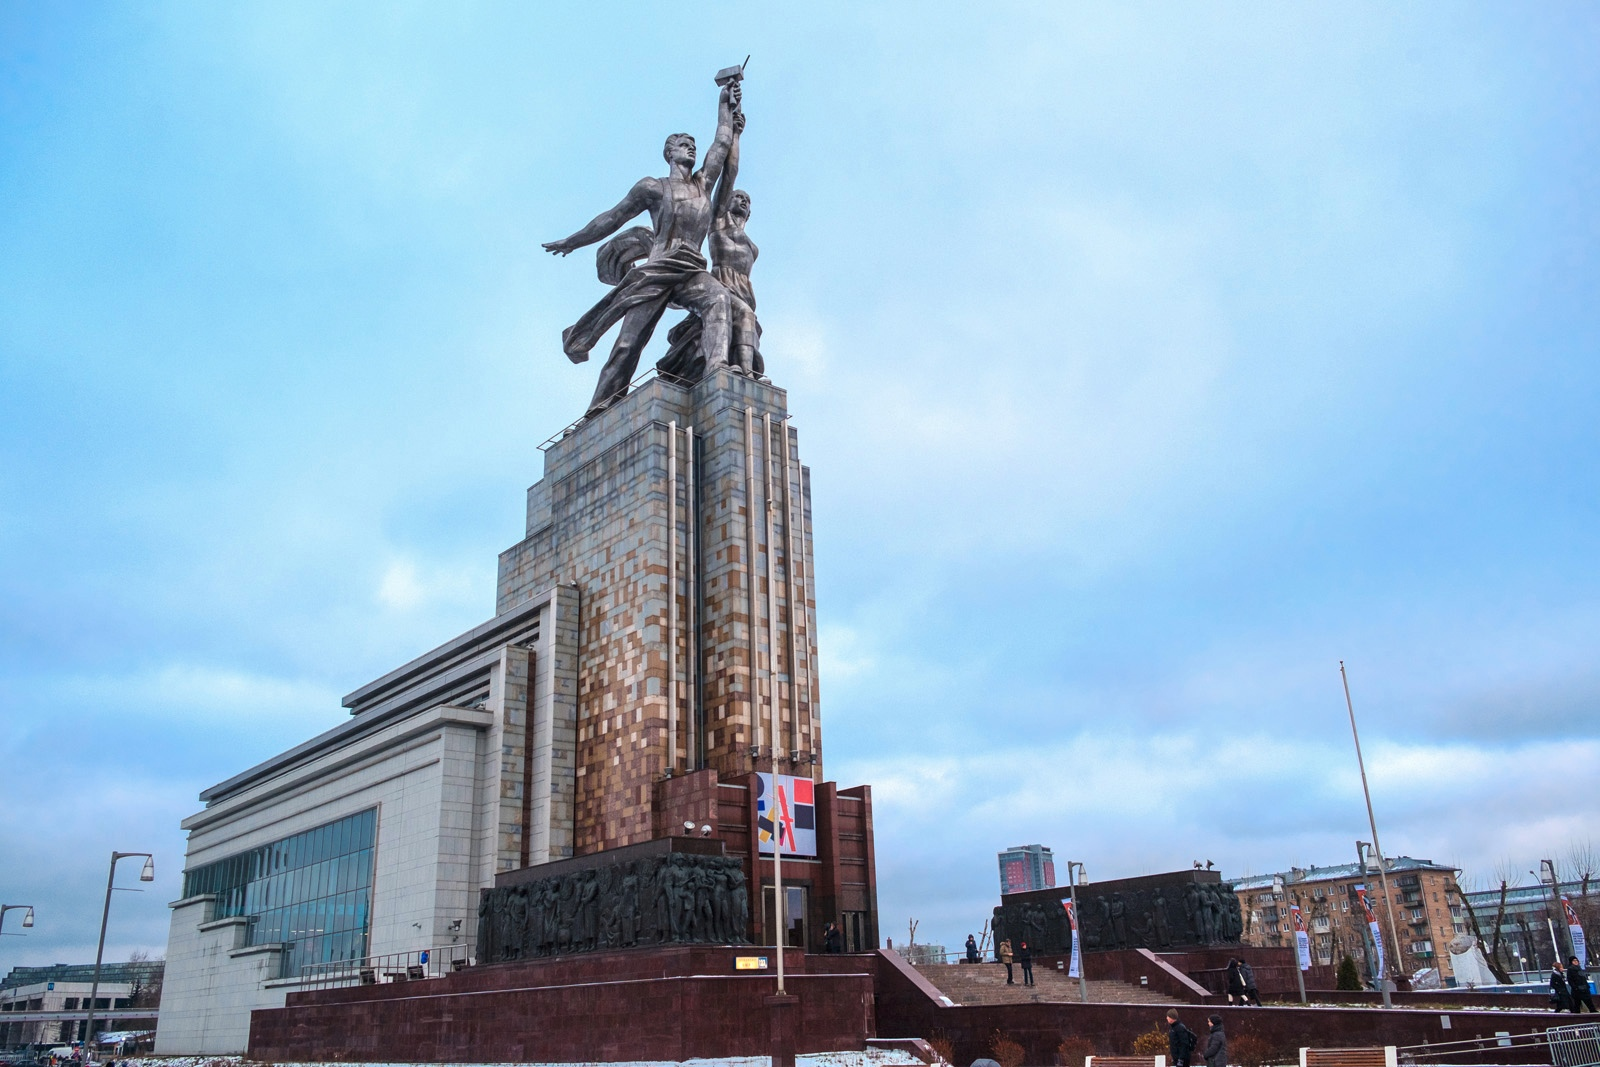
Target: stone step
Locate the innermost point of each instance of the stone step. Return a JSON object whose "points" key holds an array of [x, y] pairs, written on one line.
{"points": [[985, 983]]}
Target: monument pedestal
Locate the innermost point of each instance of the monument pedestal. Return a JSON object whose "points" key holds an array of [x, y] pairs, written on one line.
{"points": [[784, 1010], [681, 515]]}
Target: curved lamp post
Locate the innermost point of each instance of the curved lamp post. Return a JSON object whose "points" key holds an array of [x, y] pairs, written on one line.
{"points": [[27, 915], [27, 920], [148, 874]]}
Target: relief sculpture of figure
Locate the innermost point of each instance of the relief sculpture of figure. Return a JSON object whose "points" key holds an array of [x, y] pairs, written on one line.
{"points": [[1232, 916], [674, 270], [1119, 921], [1158, 920], [739, 911]]}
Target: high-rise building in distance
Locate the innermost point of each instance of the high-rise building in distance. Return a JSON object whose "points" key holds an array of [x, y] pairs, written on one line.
{"points": [[1026, 867]]}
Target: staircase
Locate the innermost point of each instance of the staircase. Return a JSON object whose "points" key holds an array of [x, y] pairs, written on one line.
{"points": [[985, 983]]}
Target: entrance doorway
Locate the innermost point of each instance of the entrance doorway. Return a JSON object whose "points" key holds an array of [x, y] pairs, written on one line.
{"points": [[795, 902], [853, 925]]}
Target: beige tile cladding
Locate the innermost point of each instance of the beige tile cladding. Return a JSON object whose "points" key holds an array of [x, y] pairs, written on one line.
{"points": [[599, 518]]}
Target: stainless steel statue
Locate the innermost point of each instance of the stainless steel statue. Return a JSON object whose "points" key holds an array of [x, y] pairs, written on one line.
{"points": [[684, 207]]}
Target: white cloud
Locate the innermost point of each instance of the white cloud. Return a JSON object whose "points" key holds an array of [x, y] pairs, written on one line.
{"points": [[405, 586], [203, 692]]}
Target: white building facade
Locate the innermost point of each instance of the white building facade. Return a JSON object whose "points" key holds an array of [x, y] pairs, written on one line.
{"points": [[372, 840]]}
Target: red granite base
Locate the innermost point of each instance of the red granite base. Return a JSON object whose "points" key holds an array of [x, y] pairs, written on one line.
{"points": [[672, 1003], [908, 1006]]}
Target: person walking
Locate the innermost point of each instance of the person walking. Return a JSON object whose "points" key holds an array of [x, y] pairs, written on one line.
{"points": [[1247, 975], [1025, 957], [1002, 952], [1216, 1044], [1180, 1040], [1578, 986], [1236, 993], [972, 949], [1560, 1000]]}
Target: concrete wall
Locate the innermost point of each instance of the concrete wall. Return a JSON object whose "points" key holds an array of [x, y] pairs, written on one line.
{"points": [[420, 773]]}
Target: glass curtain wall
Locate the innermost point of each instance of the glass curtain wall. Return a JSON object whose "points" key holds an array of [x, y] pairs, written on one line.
{"points": [[311, 893]]}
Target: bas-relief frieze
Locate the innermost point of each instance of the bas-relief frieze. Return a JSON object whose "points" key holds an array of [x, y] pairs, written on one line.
{"points": [[678, 898], [1160, 916]]}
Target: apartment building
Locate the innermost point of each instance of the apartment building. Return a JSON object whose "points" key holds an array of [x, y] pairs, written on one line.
{"points": [[1427, 902]]}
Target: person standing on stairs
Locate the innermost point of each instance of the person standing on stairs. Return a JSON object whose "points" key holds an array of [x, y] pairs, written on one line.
{"points": [[1025, 957], [1002, 952]]}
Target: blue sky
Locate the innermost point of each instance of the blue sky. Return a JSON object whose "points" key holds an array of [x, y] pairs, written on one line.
{"points": [[1148, 359]]}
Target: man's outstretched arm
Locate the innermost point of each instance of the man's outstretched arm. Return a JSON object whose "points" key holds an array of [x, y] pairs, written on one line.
{"points": [[717, 154], [607, 222]]}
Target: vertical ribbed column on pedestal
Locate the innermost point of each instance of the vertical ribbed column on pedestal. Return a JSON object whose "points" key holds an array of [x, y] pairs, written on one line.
{"points": [[743, 630]]}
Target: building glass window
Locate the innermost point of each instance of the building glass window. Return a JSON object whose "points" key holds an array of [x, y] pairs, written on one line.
{"points": [[311, 893]]}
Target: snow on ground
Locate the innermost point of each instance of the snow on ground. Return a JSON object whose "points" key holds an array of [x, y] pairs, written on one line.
{"points": [[872, 1057]]}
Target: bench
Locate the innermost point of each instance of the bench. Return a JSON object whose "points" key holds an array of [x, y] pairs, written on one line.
{"points": [[1124, 1061], [1376, 1056]]}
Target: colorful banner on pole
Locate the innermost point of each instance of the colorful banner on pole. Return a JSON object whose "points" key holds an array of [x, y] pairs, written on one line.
{"points": [[1075, 966], [1580, 944], [1372, 924], [1302, 940], [786, 812]]}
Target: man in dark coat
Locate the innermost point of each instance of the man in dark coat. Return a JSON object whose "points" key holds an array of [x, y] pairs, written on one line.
{"points": [[972, 949], [1559, 1000], [1578, 987], [1216, 1044], [1180, 1040], [1025, 957]]}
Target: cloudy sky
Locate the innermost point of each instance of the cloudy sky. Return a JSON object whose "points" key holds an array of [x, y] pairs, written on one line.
{"points": [[1148, 361]]}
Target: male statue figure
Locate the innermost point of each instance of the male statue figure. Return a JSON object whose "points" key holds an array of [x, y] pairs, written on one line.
{"points": [[673, 272]]}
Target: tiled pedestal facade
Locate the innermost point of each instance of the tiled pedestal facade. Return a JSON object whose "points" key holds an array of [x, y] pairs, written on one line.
{"points": [[682, 517]]}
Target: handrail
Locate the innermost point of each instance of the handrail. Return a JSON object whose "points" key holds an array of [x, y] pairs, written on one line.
{"points": [[415, 965]]}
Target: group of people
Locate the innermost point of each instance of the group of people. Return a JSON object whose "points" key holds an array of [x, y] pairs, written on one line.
{"points": [[1022, 955], [1569, 988], [1182, 1041], [1242, 984]]}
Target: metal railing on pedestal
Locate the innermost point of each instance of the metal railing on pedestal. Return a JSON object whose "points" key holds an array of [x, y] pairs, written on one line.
{"points": [[414, 966]]}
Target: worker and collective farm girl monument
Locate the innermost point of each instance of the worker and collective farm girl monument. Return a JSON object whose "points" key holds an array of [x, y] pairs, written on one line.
{"points": [[678, 509], [621, 769]]}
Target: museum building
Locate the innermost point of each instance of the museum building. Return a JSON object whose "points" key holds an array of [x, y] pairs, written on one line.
{"points": [[649, 674]]}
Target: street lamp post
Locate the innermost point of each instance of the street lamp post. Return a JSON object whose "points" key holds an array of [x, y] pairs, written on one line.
{"points": [[148, 874], [27, 920], [1075, 871], [1547, 873]]}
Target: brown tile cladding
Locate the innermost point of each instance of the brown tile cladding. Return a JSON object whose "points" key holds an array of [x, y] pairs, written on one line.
{"points": [[600, 517]]}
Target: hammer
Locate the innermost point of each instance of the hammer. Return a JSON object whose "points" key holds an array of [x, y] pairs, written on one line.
{"points": [[729, 75]]}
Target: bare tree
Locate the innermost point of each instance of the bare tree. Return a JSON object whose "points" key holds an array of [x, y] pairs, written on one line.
{"points": [[1582, 863], [1496, 966], [146, 990]]}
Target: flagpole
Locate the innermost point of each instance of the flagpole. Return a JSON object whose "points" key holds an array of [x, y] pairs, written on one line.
{"points": [[1372, 821]]}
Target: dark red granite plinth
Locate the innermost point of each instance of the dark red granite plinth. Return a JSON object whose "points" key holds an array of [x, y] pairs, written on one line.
{"points": [[908, 1006], [781, 1010], [670, 1003]]}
